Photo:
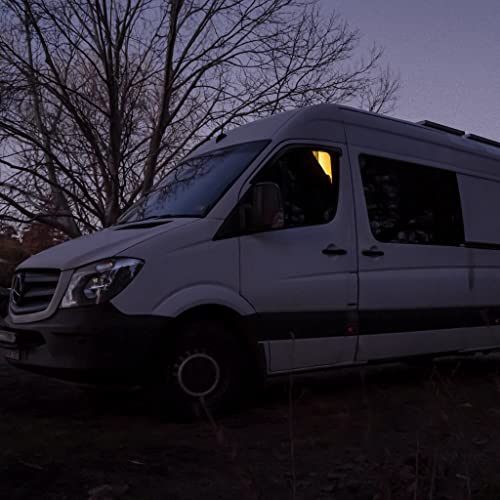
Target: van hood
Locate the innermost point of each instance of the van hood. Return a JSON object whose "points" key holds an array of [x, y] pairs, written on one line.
{"points": [[101, 245]]}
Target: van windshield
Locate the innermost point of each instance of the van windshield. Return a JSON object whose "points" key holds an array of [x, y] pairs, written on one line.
{"points": [[193, 187]]}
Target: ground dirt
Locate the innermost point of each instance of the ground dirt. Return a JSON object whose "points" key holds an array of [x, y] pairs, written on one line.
{"points": [[385, 432]]}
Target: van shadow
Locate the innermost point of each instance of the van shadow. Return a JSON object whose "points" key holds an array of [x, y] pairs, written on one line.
{"points": [[27, 395], [23, 394], [411, 374]]}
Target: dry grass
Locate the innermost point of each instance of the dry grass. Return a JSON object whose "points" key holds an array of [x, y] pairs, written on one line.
{"points": [[383, 433]]}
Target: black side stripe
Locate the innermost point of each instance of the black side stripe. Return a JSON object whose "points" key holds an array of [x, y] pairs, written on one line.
{"points": [[374, 322], [482, 245], [278, 326]]}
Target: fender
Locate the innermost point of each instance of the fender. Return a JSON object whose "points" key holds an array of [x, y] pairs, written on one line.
{"points": [[199, 295]]}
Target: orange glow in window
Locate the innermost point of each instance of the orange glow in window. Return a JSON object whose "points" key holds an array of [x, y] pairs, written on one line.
{"points": [[325, 160]]}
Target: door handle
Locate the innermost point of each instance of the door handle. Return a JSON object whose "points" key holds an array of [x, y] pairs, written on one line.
{"points": [[333, 250], [372, 252]]}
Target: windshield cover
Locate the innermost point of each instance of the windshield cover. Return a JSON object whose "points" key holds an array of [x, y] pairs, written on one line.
{"points": [[193, 187]]}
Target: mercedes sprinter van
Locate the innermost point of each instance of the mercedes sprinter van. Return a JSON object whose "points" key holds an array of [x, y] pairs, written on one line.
{"points": [[316, 238]]}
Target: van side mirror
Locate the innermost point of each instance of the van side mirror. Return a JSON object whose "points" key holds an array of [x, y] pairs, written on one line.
{"points": [[266, 210]]}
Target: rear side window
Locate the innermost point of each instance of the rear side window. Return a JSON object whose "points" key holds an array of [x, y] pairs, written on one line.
{"points": [[410, 203], [481, 206]]}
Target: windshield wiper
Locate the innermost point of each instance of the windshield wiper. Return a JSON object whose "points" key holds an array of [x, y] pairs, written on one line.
{"points": [[156, 217], [170, 216]]}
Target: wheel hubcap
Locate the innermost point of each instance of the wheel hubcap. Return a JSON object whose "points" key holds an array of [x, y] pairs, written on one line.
{"points": [[198, 374]]}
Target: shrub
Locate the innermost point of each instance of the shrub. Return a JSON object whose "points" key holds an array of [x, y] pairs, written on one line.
{"points": [[11, 254]]}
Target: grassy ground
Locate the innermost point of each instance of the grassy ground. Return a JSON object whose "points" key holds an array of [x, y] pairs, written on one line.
{"points": [[378, 433]]}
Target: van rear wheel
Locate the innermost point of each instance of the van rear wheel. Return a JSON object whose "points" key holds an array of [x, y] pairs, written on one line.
{"points": [[205, 371]]}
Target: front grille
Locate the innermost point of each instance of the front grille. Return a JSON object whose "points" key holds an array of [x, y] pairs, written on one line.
{"points": [[32, 290]]}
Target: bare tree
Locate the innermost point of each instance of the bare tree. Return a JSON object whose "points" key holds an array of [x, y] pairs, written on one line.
{"points": [[99, 97]]}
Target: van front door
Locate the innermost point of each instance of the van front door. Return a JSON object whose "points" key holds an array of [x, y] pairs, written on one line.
{"points": [[415, 295], [301, 276]]}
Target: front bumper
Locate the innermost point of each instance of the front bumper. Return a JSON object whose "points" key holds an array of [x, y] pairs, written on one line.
{"points": [[97, 345]]}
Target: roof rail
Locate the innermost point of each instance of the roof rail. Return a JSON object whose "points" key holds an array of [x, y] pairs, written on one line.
{"points": [[439, 126], [484, 140]]}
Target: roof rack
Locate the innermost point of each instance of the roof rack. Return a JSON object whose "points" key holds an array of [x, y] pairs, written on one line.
{"points": [[484, 140], [443, 128]]}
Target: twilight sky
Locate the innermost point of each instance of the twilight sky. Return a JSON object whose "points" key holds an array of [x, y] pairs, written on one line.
{"points": [[448, 54]]}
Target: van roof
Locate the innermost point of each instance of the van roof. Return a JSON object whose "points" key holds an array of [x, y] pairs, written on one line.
{"points": [[419, 131], [293, 120]]}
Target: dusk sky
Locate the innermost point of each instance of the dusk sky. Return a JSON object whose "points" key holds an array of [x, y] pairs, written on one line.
{"points": [[448, 54]]}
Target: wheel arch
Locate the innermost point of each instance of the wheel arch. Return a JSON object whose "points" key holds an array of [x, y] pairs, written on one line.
{"points": [[202, 295], [240, 326]]}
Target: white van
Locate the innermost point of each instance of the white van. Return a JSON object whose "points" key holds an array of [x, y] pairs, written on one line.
{"points": [[316, 238]]}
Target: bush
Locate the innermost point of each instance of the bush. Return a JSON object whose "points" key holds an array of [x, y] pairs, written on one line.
{"points": [[12, 253], [16, 247]]}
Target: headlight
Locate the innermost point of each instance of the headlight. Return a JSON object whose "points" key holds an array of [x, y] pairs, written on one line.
{"points": [[100, 282]]}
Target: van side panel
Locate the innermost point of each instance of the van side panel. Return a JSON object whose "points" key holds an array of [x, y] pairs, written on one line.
{"points": [[183, 272], [412, 296], [452, 340], [481, 206], [305, 298], [203, 294], [306, 354]]}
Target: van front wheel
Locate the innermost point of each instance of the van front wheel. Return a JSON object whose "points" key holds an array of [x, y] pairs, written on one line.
{"points": [[205, 371]]}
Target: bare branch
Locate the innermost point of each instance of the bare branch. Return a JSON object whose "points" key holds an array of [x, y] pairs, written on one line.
{"points": [[99, 98]]}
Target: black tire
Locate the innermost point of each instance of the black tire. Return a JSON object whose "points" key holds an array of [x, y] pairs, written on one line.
{"points": [[204, 375]]}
